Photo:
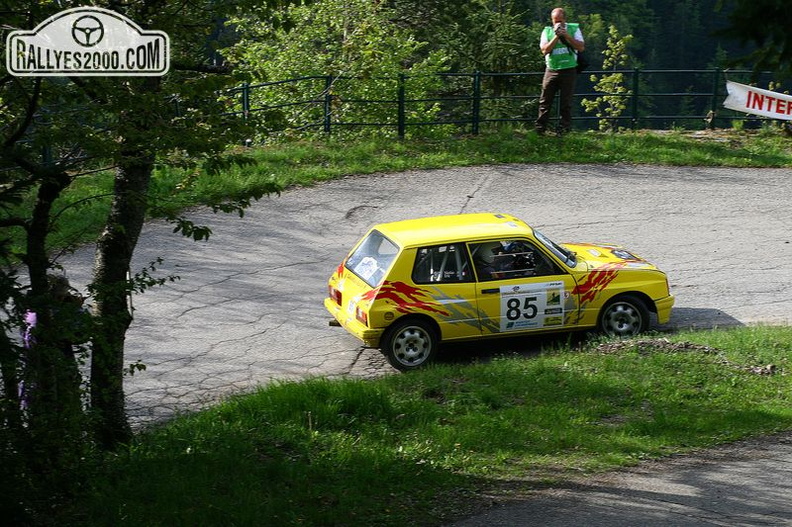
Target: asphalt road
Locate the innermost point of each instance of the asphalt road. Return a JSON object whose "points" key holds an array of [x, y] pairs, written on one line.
{"points": [[248, 306], [742, 484]]}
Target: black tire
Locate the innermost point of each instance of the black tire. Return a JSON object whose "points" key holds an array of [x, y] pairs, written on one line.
{"points": [[409, 344], [624, 316]]}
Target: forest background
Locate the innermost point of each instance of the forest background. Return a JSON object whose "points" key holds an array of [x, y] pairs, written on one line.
{"points": [[503, 35], [373, 42]]}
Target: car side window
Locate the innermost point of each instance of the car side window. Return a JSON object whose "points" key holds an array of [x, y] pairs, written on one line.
{"points": [[504, 259], [442, 264]]}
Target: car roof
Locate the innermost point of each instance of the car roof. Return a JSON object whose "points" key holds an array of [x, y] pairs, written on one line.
{"points": [[440, 229]]}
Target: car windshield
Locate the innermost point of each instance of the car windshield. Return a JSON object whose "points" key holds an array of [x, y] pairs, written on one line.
{"points": [[566, 256], [372, 258]]}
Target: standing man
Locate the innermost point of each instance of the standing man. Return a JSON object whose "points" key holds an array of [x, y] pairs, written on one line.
{"points": [[560, 44]]}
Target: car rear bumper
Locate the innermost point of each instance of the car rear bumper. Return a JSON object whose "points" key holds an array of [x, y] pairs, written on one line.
{"points": [[370, 337]]}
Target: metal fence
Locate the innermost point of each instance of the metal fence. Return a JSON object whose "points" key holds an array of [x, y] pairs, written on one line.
{"points": [[656, 99], [471, 102]]}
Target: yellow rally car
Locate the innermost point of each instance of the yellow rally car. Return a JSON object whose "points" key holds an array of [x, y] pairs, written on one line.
{"points": [[408, 285]]}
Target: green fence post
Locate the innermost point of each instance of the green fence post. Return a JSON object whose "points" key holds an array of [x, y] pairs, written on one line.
{"points": [[245, 101], [401, 118], [636, 84], [476, 102], [328, 101]]}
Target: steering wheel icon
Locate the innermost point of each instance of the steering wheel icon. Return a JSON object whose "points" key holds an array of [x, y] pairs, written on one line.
{"points": [[87, 31]]}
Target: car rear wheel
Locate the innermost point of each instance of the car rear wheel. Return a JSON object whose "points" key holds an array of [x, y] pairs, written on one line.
{"points": [[409, 344], [624, 316]]}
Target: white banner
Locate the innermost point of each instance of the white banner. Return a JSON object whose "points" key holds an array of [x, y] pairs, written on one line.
{"points": [[752, 100]]}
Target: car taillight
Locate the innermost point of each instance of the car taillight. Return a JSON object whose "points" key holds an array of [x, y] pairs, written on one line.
{"points": [[361, 316], [335, 294]]}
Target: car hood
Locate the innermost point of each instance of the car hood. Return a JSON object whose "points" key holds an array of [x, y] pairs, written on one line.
{"points": [[599, 255]]}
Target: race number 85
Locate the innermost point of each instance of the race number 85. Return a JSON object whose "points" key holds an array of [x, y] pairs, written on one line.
{"points": [[525, 308]]}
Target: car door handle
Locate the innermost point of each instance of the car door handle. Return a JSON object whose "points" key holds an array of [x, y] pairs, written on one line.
{"points": [[490, 291]]}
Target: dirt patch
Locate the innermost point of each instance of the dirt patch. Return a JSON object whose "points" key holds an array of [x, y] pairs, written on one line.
{"points": [[663, 345]]}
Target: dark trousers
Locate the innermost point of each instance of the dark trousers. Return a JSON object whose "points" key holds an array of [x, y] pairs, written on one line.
{"points": [[557, 81]]}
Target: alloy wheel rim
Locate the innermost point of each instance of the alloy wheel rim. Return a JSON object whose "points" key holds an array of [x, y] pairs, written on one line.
{"points": [[411, 346], [622, 320]]}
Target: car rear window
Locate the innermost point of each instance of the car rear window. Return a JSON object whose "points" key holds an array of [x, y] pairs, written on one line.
{"points": [[372, 258]]}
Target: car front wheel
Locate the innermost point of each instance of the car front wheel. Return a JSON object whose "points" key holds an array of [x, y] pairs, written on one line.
{"points": [[409, 344], [625, 316]]}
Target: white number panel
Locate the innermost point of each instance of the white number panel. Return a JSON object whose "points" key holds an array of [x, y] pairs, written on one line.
{"points": [[531, 306]]}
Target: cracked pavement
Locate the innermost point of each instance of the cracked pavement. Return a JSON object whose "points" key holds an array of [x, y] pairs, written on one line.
{"points": [[248, 310]]}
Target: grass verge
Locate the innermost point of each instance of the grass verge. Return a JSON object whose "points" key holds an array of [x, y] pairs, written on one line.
{"points": [[417, 449]]}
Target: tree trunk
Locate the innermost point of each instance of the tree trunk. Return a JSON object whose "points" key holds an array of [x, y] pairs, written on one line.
{"points": [[111, 289], [137, 138], [51, 375]]}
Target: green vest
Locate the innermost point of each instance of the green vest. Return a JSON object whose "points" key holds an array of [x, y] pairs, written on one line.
{"points": [[562, 56]]}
